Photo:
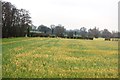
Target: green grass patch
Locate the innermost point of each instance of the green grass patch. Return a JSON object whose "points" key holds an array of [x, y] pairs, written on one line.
{"points": [[59, 58]]}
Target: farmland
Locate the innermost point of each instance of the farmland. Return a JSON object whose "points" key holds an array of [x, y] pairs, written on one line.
{"points": [[59, 58]]}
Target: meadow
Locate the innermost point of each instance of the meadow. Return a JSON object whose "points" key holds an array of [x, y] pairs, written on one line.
{"points": [[59, 58]]}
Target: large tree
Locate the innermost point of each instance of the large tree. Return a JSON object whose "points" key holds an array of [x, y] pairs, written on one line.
{"points": [[24, 21], [15, 21], [6, 18]]}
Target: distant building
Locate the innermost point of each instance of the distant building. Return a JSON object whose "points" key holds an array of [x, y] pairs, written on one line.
{"points": [[119, 16]]}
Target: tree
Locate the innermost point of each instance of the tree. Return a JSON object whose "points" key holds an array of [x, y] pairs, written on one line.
{"points": [[52, 29], [94, 33], [28, 31], [90, 33], [44, 29], [114, 34], [83, 32], [59, 31], [105, 33], [15, 21], [25, 21], [7, 18], [33, 27], [70, 34]]}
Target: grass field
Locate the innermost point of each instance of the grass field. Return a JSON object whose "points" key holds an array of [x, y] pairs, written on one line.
{"points": [[0, 58], [59, 58]]}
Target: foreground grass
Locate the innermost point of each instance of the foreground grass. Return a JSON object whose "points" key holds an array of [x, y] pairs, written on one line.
{"points": [[59, 58], [0, 58]]}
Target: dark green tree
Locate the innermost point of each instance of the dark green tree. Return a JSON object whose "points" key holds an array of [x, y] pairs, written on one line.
{"points": [[15, 21]]}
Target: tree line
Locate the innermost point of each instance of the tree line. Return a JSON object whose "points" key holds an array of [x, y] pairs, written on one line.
{"points": [[17, 23], [60, 31]]}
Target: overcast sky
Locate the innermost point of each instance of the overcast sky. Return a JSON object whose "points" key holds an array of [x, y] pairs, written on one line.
{"points": [[73, 14]]}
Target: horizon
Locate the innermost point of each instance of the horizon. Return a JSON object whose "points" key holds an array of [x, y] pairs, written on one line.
{"points": [[72, 14]]}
